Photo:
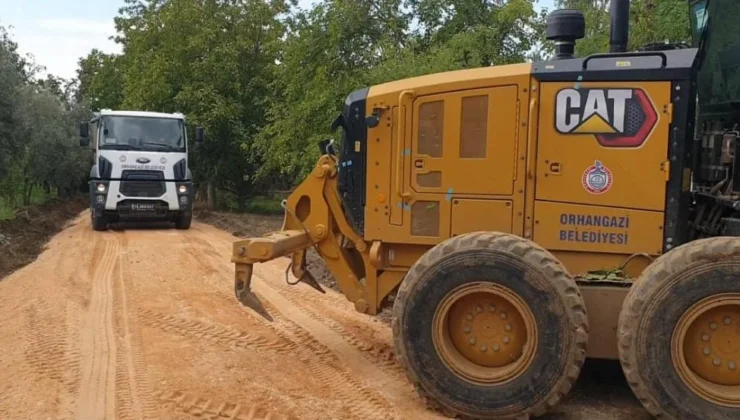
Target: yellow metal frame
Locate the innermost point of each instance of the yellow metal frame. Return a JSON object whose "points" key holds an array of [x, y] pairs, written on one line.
{"points": [[321, 223]]}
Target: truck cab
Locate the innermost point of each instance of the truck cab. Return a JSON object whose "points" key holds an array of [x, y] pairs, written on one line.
{"points": [[140, 170]]}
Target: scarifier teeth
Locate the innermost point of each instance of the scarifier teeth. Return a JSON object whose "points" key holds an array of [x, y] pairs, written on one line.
{"points": [[247, 298], [309, 279], [251, 301]]}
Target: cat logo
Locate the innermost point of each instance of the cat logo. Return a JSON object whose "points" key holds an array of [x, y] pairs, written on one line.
{"points": [[621, 118]]}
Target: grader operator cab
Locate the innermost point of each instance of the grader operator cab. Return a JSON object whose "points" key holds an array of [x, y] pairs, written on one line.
{"points": [[525, 217]]}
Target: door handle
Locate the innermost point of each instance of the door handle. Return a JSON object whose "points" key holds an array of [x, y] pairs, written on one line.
{"points": [[419, 164], [556, 168]]}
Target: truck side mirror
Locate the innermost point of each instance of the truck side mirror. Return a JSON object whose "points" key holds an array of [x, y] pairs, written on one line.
{"points": [[84, 134], [198, 136]]}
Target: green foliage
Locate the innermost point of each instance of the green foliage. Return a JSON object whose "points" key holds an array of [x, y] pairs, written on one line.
{"points": [[100, 78], [341, 46], [213, 61], [38, 196], [264, 205], [266, 81], [651, 21], [39, 150]]}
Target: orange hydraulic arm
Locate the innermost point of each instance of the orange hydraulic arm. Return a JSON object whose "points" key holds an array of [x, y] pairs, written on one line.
{"points": [[313, 217]]}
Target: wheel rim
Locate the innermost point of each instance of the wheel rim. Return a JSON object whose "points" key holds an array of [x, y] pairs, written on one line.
{"points": [[485, 333], [706, 349]]}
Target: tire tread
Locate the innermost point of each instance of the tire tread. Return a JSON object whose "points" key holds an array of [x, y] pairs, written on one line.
{"points": [[535, 256], [650, 282]]}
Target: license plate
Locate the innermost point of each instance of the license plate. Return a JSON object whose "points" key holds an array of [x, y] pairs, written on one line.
{"points": [[142, 207]]}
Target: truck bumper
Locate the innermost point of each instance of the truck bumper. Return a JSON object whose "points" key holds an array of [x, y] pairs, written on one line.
{"points": [[107, 201]]}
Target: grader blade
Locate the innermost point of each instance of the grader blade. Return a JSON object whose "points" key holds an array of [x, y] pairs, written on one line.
{"points": [[244, 293]]}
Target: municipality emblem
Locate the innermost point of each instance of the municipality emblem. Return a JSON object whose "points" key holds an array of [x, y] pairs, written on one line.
{"points": [[597, 179]]}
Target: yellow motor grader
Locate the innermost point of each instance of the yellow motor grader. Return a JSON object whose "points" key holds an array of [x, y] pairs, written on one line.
{"points": [[527, 216]]}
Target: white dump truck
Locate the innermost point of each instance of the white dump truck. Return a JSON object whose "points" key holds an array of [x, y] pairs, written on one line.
{"points": [[141, 168]]}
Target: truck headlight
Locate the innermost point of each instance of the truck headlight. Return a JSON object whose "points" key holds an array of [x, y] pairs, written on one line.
{"points": [[101, 188], [183, 189]]}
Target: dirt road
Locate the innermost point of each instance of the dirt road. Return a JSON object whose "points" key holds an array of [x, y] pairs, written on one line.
{"points": [[142, 324]]}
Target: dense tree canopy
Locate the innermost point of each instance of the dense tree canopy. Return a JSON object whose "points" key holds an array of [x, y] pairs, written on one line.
{"points": [[651, 21], [266, 79]]}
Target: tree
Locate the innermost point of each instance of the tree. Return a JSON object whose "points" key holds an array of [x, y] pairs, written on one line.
{"points": [[266, 81], [100, 77], [651, 21], [38, 144], [211, 60], [339, 46]]}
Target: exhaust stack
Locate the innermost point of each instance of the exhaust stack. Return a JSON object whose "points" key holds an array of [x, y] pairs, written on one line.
{"points": [[620, 23]]}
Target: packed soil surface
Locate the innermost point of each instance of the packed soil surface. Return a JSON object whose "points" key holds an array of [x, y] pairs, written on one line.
{"points": [[142, 323]]}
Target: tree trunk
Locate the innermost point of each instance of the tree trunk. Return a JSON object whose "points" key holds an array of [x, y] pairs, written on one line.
{"points": [[27, 195], [210, 196]]}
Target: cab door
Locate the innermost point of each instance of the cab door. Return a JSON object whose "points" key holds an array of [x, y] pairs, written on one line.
{"points": [[461, 163], [465, 142]]}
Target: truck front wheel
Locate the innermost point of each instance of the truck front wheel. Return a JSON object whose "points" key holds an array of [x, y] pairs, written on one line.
{"points": [[183, 220], [99, 222]]}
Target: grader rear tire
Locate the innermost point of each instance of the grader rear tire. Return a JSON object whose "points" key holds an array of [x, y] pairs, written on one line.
{"points": [[490, 325], [679, 332]]}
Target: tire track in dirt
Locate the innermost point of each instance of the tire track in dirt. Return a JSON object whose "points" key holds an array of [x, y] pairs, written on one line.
{"points": [[318, 359], [212, 332], [378, 353], [349, 350], [334, 355], [51, 325], [134, 378], [97, 392], [362, 401], [203, 408], [48, 352]]}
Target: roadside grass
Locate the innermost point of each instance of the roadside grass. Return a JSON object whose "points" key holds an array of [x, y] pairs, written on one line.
{"points": [[38, 196], [264, 205], [6, 212], [258, 205]]}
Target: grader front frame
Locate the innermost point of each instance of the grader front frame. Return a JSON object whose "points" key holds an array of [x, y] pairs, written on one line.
{"points": [[314, 218]]}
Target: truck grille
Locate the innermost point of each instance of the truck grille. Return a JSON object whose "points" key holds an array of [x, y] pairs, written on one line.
{"points": [[142, 184]]}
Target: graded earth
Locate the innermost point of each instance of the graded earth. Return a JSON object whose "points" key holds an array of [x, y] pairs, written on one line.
{"points": [[143, 324]]}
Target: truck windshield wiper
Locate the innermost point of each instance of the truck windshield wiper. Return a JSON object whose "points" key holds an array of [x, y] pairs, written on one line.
{"points": [[167, 146], [119, 147]]}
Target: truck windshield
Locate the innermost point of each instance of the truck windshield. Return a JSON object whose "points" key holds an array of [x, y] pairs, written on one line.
{"points": [[142, 133]]}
